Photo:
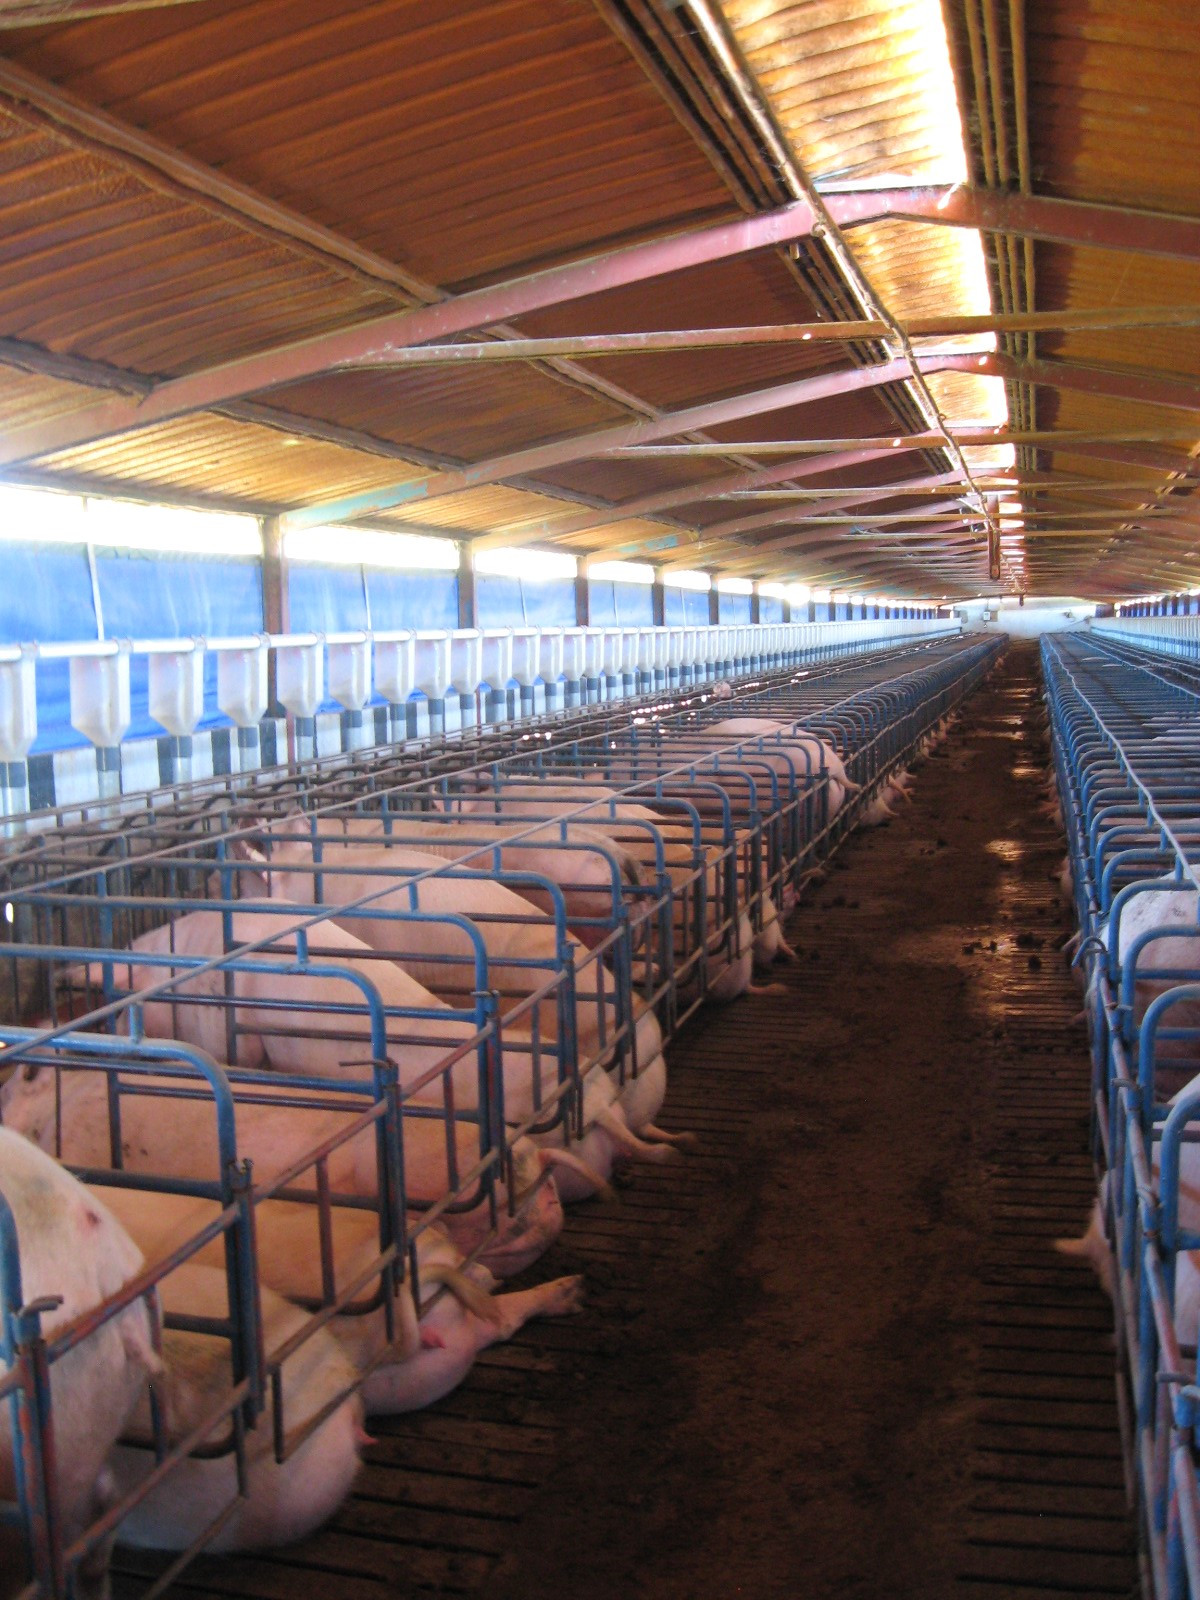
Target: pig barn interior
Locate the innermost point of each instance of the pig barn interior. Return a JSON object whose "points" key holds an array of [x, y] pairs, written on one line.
{"points": [[599, 775]]}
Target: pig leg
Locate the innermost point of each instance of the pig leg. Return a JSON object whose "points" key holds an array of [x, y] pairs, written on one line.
{"points": [[784, 951], [561, 1297], [1093, 1248], [569, 1161], [655, 1135], [631, 1146], [766, 988], [91, 1575], [458, 1337]]}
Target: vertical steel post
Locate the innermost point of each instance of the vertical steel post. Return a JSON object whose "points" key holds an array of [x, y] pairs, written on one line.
{"points": [[277, 618], [658, 600], [468, 609]]}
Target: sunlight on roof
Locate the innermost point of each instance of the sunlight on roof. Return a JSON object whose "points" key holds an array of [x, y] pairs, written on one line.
{"points": [[776, 591], [365, 547], [735, 586], [687, 579]]}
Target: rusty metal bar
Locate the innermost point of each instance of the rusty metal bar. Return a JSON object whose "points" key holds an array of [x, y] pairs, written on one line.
{"points": [[1144, 388], [1006, 211], [1048, 438], [718, 533], [549, 528], [1039, 484], [36, 13], [559, 452], [625, 344]]}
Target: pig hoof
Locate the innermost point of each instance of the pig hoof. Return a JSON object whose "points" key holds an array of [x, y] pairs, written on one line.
{"points": [[564, 1297], [662, 1155], [766, 988]]}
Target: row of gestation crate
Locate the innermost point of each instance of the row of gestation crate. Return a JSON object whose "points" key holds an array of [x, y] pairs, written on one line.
{"points": [[1125, 724], [328, 1047]]}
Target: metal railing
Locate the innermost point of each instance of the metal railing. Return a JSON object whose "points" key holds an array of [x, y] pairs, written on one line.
{"points": [[734, 824], [1126, 738]]}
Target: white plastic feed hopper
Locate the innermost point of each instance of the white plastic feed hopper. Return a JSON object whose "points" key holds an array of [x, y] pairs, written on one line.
{"points": [[100, 710], [395, 678], [18, 729], [176, 699], [350, 685], [242, 694]]}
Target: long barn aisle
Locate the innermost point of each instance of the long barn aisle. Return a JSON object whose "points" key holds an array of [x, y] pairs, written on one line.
{"points": [[833, 1353], [836, 1355]]}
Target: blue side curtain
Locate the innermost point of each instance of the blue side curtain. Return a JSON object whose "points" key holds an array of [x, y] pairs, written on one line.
{"points": [[626, 605], [770, 608], [143, 595], [325, 599], [734, 607], [412, 599], [687, 606], [506, 602]]}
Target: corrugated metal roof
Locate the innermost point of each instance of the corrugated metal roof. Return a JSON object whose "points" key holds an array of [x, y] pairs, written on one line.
{"points": [[865, 93], [95, 262], [461, 139], [1111, 116], [484, 138]]}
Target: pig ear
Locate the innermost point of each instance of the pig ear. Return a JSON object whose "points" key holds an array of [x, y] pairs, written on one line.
{"points": [[244, 850], [254, 884]]}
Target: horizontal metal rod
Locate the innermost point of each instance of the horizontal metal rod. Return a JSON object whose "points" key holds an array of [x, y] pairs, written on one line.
{"points": [[1014, 486], [1007, 211], [30, 13], [560, 527], [378, 336], [1048, 438], [582, 447], [926, 514], [621, 344]]}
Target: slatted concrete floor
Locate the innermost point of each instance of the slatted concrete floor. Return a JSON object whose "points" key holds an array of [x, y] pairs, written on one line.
{"points": [[1049, 1514], [572, 1461]]}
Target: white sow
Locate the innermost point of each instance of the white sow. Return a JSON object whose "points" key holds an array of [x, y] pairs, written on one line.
{"points": [[73, 1249]]}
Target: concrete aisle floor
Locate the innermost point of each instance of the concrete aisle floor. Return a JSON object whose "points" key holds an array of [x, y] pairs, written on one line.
{"points": [[854, 1366]]}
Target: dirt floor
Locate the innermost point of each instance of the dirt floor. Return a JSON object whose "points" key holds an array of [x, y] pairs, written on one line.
{"points": [[789, 1401]]}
